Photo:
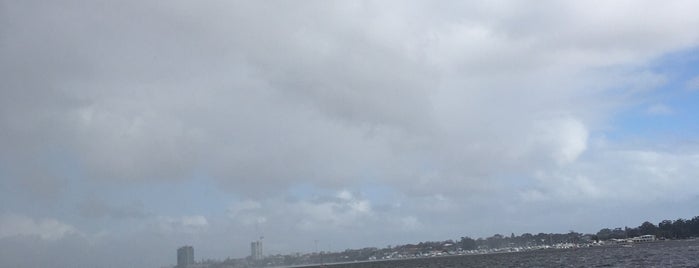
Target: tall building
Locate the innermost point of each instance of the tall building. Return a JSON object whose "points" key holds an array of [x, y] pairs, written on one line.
{"points": [[185, 256], [256, 250]]}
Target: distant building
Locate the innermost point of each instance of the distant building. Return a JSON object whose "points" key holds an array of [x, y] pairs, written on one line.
{"points": [[185, 256], [256, 250], [644, 238]]}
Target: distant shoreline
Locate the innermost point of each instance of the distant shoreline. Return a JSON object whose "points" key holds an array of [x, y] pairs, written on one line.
{"points": [[543, 250]]}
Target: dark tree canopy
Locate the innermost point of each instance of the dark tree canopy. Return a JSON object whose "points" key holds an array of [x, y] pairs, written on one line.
{"points": [[678, 229]]}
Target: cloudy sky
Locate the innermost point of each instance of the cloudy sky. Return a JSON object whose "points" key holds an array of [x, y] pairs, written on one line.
{"points": [[130, 128]]}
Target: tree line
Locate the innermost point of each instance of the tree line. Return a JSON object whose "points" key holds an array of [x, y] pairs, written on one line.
{"points": [[666, 229], [677, 229]]}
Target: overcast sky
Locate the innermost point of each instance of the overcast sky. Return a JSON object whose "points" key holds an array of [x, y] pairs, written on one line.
{"points": [[130, 128]]}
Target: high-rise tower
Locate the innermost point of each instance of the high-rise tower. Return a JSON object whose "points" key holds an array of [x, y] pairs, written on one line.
{"points": [[185, 256], [256, 250]]}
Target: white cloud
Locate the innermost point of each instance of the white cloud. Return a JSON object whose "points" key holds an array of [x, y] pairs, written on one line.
{"points": [[344, 212], [247, 212], [194, 221], [659, 109], [620, 176], [345, 195], [192, 224], [570, 139], [410, 223], [49, 229], [563, 139], [692, 84]]}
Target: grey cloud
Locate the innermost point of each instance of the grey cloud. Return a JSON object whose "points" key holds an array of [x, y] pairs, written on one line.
{"points": [[622, 174], [472, 107], [96, 208], [160, 92], [148, 251]]}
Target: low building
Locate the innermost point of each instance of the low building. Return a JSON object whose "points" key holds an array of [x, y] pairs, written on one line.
{"points": [[644, 238]]}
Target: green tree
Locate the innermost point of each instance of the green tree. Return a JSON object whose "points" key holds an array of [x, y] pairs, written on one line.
{"points": [[618, 233], [665, 228], [468, 243], [648, 228], [680, 228], [632, 232], [604, 234], [694, 226], [527, 239]]}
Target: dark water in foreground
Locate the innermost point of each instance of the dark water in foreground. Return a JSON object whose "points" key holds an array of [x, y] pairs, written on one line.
{"points": [[654, 254]]}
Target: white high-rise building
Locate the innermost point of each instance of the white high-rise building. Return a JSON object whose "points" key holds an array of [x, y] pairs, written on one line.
{"points": [[256, 250], [185, 256]]}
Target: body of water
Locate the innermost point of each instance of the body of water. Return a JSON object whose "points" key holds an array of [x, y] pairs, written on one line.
{"points": [[683, 253]]}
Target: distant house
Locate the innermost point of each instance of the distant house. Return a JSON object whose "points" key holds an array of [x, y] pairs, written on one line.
{"points": [[644, 238]]}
